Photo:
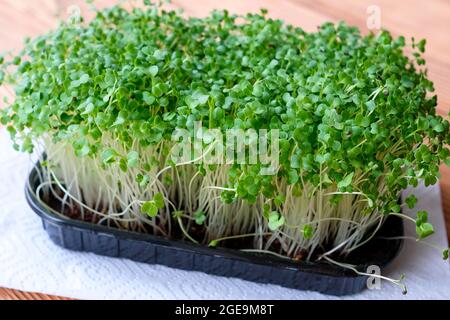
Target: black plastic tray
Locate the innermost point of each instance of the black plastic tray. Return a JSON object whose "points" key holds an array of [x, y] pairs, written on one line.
{"points": [[318, 276]]}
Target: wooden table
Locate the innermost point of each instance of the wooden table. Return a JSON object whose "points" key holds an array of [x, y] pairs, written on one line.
{"points": [[422, 19]]}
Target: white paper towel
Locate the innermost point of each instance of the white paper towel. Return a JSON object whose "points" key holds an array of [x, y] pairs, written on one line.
{"points": [[30, 261]]}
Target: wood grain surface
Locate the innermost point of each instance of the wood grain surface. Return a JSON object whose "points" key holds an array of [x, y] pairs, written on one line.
{"points": [[421, 19]]}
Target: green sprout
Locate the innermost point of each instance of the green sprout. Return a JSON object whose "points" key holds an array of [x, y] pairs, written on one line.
{"points": [[151, 207], [423, 227], [275, 221]]}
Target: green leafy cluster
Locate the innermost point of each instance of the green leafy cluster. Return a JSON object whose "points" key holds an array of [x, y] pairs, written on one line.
{"points": [[346, 105]]}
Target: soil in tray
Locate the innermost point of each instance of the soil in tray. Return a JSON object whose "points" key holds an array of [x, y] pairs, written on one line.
{"points": [[371, 251]]}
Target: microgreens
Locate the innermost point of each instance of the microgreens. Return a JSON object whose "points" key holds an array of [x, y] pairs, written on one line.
{"points": [[356, 116]]}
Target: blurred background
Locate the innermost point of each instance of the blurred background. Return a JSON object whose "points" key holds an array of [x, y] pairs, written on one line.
{"points": [[421, 19]]}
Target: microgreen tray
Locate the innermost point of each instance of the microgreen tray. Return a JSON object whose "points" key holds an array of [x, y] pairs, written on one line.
{"points": [[317, 276]]}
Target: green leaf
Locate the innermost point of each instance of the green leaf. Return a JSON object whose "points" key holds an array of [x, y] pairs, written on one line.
{"points": [[322, 158], [200, 217], [80, 152], [371, 105], [279, 200], [438, 127], [411, 201], [150, 208], [308, 231], [422, 217], [119, 120], [295, 161], [159, 89], [326, 178], [396, 208], [293, 176], [108, 156], [258, 89], [178, 214], [445, 254], [424, 230], [84, 79], [16, 61], [148, 98], [213, 243], [346, 181], [158, 198], [123, 165], [153, 70], [196, 99], [89, 108], [159, 54], [421, 45], [275, 221], [132, 159]]}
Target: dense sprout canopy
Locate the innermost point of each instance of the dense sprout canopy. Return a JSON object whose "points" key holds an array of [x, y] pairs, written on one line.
{"points": [[344, 103]]}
